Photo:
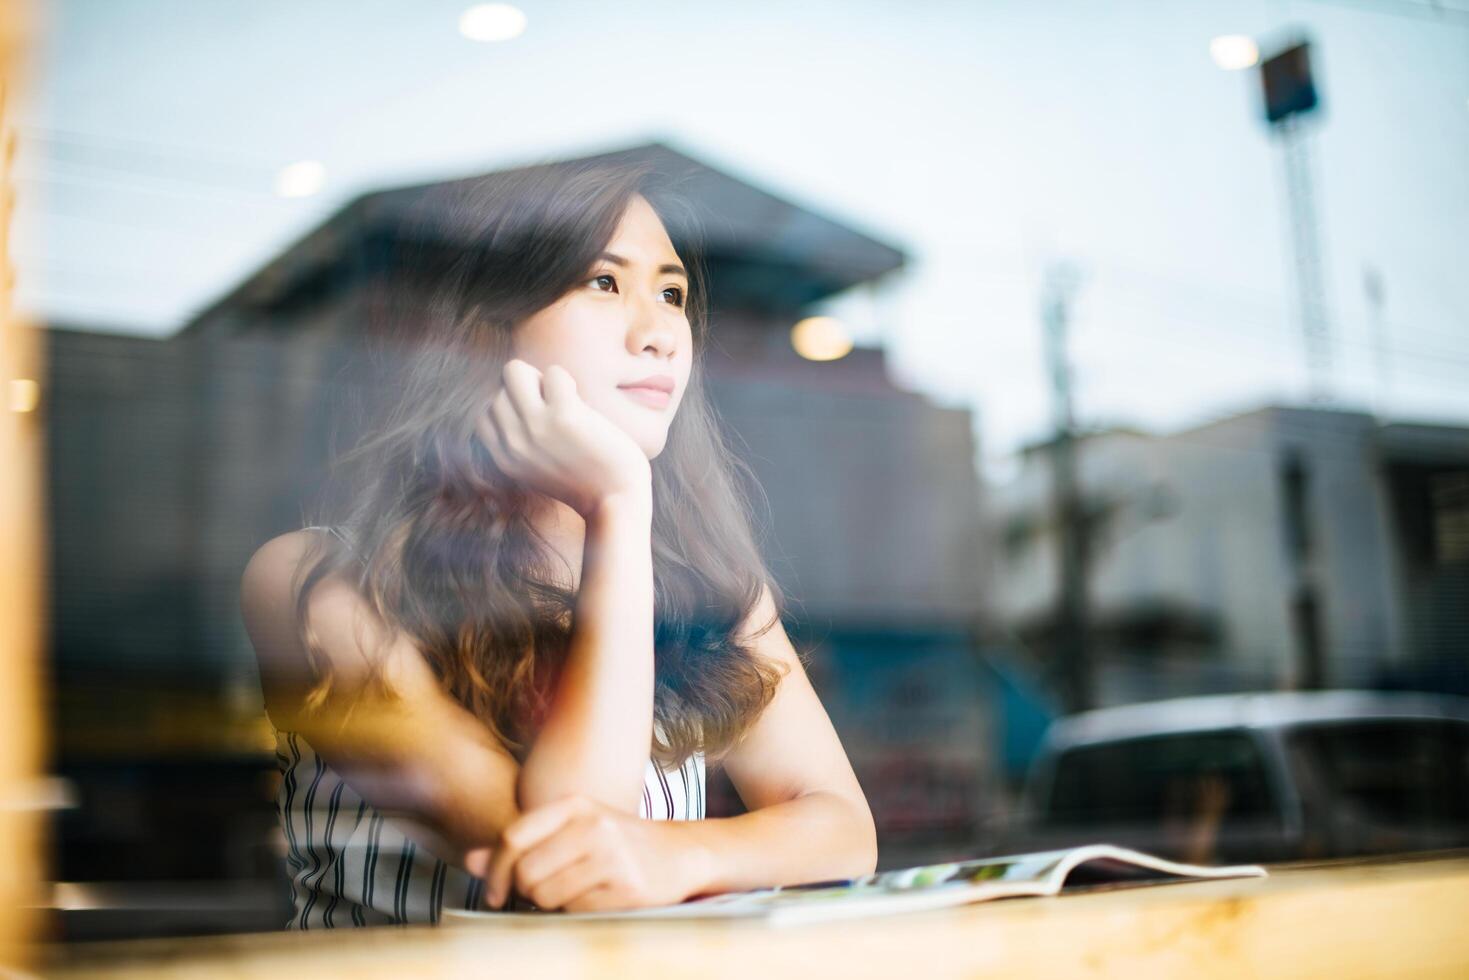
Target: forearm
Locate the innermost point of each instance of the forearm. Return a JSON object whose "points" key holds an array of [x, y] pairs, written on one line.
{"points": [[430, 765], [596, 736], [772, 845]]}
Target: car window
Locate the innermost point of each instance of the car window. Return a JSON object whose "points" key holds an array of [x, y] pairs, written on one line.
{"points": [[1155, 779], [1394, 771]]}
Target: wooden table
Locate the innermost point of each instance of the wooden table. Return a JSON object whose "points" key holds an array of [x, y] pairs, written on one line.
{"points": [[1407, 918]]}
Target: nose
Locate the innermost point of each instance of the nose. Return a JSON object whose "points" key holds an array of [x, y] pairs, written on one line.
{"points": [[649, 328]]}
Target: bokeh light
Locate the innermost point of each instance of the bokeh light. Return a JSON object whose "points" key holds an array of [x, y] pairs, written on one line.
{"points": [[492, 22], [1234, 52], [821, 338], [300, 179]]}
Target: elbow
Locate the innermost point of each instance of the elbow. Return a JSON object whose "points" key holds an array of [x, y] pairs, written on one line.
{"points": [[860, 853], [864, 835], [468, 803], [867, 852]]}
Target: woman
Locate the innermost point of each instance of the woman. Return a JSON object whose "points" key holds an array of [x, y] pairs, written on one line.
{"points": [[498, 672]]}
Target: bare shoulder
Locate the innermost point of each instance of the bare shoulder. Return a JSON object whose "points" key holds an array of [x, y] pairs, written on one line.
{"points": [[268, 585], [764, 633], [269, 572], [346, 630]]}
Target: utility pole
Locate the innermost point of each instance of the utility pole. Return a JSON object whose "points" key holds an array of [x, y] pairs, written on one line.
{"points": [[1376, 293], [1073, 529]]}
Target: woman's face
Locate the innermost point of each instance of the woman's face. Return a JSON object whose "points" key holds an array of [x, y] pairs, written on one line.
{"points": [[624, 332]]}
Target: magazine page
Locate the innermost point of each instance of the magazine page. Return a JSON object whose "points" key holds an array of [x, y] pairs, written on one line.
{"points": [[944, 885], [927, 886], [1097, 864], [920, 888]]}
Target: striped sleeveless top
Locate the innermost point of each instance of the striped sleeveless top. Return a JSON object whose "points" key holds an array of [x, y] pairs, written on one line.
{"points": [[352, 865]]}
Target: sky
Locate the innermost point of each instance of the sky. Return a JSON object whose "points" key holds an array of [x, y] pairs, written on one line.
{"points": [[989, 141]]}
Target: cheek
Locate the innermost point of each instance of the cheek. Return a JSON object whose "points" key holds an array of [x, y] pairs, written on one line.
{"points": [[561, 338]]}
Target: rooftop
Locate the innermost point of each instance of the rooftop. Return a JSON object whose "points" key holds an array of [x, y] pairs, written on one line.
{"points": [[763, 253]]}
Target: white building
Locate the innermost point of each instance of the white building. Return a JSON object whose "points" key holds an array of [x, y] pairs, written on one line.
{"points": [[1285, 547]]}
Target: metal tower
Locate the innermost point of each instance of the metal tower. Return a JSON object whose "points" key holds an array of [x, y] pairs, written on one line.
{"points": [[1290, 100]]}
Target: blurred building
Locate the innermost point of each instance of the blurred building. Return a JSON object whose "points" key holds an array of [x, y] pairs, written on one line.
{"points": [[159, 736], [173, 460], [1284, 547]]}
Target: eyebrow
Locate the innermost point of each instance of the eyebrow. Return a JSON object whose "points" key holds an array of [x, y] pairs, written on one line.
{"points": [[671, 268]]}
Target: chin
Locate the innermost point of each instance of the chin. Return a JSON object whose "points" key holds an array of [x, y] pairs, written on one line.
{"points": [[653, 447], [650, 433], [651, 439]]}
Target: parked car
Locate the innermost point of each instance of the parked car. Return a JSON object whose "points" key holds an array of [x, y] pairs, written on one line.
{"points": [[1255, 777]]}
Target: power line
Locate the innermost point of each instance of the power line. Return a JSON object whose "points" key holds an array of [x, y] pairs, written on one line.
{"points": [[1266, 312], [1275, 336], [146, 156]]}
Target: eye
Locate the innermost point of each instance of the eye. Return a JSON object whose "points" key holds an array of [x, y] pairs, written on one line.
{"points": [[676, 299], [605, 282]]}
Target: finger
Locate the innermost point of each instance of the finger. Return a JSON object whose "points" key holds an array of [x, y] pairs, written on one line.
{"points": [[530, 829], [509, 425], [570, 883], [477, 861], [502, 869], [602, 898], [488, 430], [523, 384], [559, 386], [566, 846]]}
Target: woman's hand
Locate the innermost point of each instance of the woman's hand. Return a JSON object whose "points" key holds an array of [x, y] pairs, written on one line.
{"points": [[581, 855], [540, 432]]}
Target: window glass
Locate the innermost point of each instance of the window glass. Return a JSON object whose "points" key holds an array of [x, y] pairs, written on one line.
{"points": [[1392, 771], [1151, 780]]}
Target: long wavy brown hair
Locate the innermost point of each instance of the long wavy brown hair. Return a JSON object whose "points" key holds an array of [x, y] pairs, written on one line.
{"points": [[438, 541]]}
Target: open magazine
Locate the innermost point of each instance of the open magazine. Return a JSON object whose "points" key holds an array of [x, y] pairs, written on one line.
{"points": [[916, 889]]}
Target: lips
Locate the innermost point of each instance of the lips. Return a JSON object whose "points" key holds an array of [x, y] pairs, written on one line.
{"points": [[657, 382], [651, 397], [655, 391]]}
